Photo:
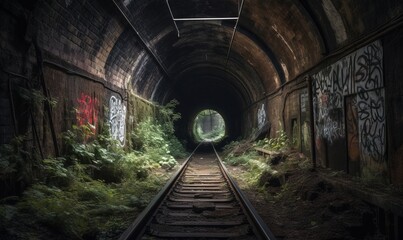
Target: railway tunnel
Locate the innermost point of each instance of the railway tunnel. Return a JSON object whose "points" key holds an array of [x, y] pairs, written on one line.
{"points": [[328, 73]]}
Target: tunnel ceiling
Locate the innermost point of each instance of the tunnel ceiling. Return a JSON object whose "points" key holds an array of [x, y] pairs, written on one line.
{"points": [[134, 44], [275, 41]]}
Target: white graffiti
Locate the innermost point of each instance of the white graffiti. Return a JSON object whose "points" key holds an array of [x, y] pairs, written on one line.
{"points": [[359, 76], [261, 116], [117, 119], [358, 72]]}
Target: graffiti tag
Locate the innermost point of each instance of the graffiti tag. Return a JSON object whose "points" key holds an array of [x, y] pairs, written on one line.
{"points": [[261, 116], [372, 132], [117, 119], [358, 72], [87, 111], [359, 75]]}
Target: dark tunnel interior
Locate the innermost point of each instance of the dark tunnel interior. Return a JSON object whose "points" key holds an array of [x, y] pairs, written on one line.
{"points": [[209, 88], [311, 85]]}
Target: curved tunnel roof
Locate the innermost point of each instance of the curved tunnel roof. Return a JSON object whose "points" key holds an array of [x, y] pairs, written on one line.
{"points": [[136, 44], [273, 43]]}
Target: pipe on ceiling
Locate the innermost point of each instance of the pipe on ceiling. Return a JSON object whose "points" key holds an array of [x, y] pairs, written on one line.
{"points": [[233, 33], [172, 16], [206, 19], [196, 18]]}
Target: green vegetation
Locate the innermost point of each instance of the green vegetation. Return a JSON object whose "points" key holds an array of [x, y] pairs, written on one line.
{"points": [[17, 166], [279, 143], [244, 153], [208, 126], [96, 189], [266, 173]]}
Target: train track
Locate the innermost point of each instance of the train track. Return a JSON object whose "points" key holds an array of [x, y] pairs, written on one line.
{"points": [[201, 201]]}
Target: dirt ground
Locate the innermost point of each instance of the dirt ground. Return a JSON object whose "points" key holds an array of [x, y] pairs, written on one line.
{"points": [[302, 205]]}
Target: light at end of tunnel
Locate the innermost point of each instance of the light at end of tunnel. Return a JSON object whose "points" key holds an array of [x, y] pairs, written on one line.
{"points": [[208, 126]]}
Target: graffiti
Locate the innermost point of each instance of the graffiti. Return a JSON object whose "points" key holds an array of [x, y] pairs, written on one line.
{"points": [[356, 81], [261, 116], [332, 130], [352, 129], [329, 116], [368, 68], [117, 119], [358, 72], [371, 115], [87, 111]]}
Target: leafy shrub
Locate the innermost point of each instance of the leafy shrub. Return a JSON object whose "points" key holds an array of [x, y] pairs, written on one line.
{"points": [[137, 166], [56, 209], [255, 170], [55, 173], [151, 139], [237, 160], [277, 144], [95, 188], [176, 147], [16, 166], [241, 153], [101, 158]]}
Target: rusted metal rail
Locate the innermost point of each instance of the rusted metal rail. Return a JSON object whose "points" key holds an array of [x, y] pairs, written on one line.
{"points": [[201, 201]]}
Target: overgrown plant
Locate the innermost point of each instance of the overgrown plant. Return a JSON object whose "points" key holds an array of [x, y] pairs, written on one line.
{"points": [[243, 154], [167, 118], [16, 165], [279, 143], [96, 189], [93, 192], [156, 140], [101, 158], [150, 138], [35, 97]]}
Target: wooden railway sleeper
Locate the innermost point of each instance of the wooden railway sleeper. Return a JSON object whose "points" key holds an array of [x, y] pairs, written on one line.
{"points": [[199, 202]]}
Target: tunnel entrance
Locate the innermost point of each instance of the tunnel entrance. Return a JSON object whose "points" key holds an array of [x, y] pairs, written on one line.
{"points": [[208, 126]]}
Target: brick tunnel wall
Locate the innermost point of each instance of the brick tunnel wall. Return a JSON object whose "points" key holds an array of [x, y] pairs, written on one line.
{"points": [[86, 38], [286, 110], [90, 58], [357, 111], [349, 110], [296, 117]]}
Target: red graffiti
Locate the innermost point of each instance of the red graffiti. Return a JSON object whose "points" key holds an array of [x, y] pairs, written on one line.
{"points": [[87, 111]]}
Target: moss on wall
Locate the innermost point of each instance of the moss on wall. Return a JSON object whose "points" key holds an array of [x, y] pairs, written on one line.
{"points": [[138, 109]]}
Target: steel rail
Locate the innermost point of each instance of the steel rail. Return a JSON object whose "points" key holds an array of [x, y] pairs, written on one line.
{"points": [[136, 229], [260, 225], [142, 224]]}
